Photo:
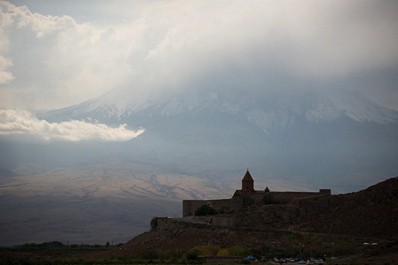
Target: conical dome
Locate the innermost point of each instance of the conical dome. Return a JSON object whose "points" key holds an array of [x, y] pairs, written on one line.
{"points": [[247, 182]]}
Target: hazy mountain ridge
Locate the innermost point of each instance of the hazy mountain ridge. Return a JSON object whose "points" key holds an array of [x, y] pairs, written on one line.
{"points": [[265, 111], [326, 136]]}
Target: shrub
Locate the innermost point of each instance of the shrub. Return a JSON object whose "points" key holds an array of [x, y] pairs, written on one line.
{"points": [[208, 250], [192, 255], [223, 252], [247, 201], [268, 199], [205, 210]]}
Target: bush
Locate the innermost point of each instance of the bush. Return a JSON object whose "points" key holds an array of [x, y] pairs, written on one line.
{"points": [[268, 199], [247, 201], [208, 250], [223, 252], [192, 255], [205, 210]]}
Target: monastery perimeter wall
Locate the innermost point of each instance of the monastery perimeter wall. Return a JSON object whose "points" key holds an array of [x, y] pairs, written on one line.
{"points": [[242, 199], [288, 196]]}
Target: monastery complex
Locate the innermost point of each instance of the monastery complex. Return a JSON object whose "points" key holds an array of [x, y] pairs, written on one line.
{"points": [[247, 196]]}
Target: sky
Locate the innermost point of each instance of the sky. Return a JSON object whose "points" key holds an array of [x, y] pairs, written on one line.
{"points": [[55, 54]]}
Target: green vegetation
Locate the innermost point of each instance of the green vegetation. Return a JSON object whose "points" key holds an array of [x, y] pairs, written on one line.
{"points": [[54, 253], [60, 245], [269, 199], [58, 253], [195, 254], [205, 210], [247, 201]]}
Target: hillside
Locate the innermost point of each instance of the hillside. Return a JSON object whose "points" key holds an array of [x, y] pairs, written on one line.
{"points": [[371, 212], [346, 220]]}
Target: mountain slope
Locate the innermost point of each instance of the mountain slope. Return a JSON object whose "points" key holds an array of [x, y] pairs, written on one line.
{"points": [[264, 110], [293, 134]]}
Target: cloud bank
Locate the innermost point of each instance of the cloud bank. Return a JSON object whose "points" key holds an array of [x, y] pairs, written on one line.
{"points": [[15, 122], [52, 61]]}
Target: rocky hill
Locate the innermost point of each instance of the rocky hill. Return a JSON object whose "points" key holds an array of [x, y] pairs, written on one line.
{"points": [[371, 212], [368, 215]]}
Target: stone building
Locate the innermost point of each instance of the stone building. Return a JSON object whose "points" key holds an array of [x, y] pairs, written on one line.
{"points": [[247, 183], [247, 196]]}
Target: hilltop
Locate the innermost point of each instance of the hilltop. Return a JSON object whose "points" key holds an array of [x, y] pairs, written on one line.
{"points": [[333, 225]]}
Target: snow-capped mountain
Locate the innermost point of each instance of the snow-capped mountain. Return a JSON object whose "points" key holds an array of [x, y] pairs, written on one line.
{"points": [[266, 110], [306, 134]]}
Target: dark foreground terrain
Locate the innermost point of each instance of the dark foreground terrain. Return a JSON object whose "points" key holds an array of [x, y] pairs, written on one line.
{"points": [[347, 250], [354, 228]]}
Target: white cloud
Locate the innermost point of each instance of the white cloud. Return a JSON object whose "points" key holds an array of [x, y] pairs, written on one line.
{"points": [[5, 76], [57, 61], [17, 122]]}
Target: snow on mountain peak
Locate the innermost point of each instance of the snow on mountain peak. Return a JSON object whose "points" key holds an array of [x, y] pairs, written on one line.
{"points": [[333, 104], [266, 111]]}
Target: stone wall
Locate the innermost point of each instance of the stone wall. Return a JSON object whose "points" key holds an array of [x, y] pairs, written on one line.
{"points": [[215, 220], [288, 196], [164, 223], [242, 199]]}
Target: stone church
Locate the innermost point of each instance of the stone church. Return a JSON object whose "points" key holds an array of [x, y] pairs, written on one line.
{"points": [[247, 196]]}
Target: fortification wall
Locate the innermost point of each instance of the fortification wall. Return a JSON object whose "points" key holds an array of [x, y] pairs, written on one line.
{"points": [[288, 196], [173, 224], [163, 223], [219, 220], [241, 199]]}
